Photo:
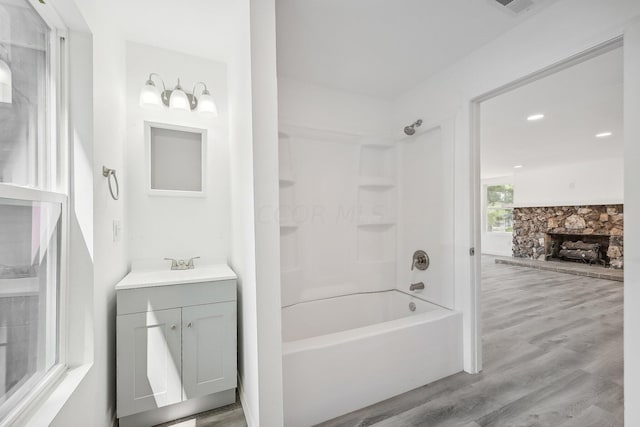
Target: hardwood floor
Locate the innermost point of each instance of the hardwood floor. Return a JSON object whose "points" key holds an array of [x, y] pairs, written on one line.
{"points": [[227, 416], [552, 357]]}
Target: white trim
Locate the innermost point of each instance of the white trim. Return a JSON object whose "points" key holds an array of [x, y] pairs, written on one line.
{"points": [[46, 407], [476, 181], [204, 153], [248, 415], [476, 227], [49, 15], [11, 191]]}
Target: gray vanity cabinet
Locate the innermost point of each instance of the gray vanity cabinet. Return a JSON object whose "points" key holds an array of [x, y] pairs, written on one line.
{"points": [[208, 335], [149, 360], [176, 349]]}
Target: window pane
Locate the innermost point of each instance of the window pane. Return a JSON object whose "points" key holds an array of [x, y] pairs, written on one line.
{"points": [[499, 195], [24, 40], [499, 208], [29, 280], [500, 220]]}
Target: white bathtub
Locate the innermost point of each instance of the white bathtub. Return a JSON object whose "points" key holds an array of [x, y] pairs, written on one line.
{"points": [[342, 354]]}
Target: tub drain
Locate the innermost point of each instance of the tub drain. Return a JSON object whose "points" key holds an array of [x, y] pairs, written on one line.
{"points": [[412, 306]]}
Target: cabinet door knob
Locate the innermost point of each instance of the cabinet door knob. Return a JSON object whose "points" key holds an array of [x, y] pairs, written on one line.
{"points": [[189, 324], [173, 326]]}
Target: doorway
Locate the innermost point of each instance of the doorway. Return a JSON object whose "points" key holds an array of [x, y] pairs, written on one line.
{"points": [[549, 220]]}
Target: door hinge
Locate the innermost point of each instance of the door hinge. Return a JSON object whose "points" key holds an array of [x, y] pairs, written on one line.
{"points": [[472, 251]]}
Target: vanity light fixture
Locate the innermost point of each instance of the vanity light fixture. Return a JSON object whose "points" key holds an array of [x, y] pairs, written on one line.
{"points": [[6, 86], [604, 134], [518, 167], [177, 98]]}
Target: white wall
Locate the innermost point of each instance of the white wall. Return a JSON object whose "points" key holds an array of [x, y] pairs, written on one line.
{"points": [[94, 400], [264, 91], [632, 228], [591, 183], [81, 229], [242, 256], [308, 105], [563, 29], [316, 108], [176, 227], [254, 183]]}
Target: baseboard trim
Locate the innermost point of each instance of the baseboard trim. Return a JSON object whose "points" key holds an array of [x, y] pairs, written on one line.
{"points": [[248, 413]]}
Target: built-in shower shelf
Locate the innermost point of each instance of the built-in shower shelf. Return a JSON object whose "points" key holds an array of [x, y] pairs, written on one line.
{"points": [[286, 180], [369, 222], [377, 145], [288, 225], [377, 224], [376, 182]]}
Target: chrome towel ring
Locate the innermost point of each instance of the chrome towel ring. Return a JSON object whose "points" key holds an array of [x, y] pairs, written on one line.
{"points": [[108, 173]]}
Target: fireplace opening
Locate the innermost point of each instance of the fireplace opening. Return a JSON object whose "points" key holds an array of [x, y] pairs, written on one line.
{"points": [[587, 249]]}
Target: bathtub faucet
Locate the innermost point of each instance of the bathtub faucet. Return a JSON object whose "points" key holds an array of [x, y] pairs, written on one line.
{"points": [[416, 286]]}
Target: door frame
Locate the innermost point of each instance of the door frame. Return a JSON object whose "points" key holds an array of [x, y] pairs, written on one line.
{"points": [[476, 183]]}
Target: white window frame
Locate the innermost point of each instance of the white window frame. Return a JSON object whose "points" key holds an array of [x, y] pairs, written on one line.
{"points": [[57, 179]]}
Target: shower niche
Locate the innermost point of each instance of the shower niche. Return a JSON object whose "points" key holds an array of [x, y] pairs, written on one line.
{"points": [[289, 228], [338, 200], [377, 200]]}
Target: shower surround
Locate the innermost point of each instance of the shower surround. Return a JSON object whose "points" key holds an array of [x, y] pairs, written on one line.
{"points": [[353, 210]]}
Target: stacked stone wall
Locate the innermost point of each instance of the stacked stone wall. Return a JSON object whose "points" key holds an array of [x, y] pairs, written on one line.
{"points": [[531, 226]]}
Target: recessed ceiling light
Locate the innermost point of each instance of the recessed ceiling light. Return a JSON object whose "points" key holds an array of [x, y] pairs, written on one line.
{"points": [[604, 134], [534, 117], [518, 167]]}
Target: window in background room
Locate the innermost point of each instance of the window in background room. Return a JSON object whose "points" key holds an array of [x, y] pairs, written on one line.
{"points": [[500, 208], [32, 207]]}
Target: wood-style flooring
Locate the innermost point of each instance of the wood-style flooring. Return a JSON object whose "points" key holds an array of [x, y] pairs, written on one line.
{"points": [[227, 416], [552, 357]]}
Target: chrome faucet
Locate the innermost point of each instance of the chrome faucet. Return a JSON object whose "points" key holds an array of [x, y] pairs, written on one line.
{"points": [[416, 286], [420, 260], [190, 262], [180, 264]]}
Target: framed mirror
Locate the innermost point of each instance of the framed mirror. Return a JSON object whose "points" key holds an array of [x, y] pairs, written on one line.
{"points": [[176, 160]]}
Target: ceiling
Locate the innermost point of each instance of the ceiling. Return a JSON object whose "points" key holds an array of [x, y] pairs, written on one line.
{"points": [[578, 103], [203, 28], [383, 48]]}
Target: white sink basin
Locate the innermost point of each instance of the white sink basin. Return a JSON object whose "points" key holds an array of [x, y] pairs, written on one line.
{"points": [[148, 278]]}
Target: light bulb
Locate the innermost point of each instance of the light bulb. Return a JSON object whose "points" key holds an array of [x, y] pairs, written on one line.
{"points": [[6, 86], [178, 99], [150, 95], [206, 104]]}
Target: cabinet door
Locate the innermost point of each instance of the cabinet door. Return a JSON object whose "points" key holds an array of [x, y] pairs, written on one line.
{"points": [[208, 349], [148, 360]]}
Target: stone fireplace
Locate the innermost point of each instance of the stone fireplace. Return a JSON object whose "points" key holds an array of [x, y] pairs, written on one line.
{"points": [[591, 234]]}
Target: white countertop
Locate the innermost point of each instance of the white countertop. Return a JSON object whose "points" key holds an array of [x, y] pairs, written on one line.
{"points": [[202, 273]]}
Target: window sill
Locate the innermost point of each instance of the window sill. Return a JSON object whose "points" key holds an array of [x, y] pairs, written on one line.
{"points": [[44, 409]]}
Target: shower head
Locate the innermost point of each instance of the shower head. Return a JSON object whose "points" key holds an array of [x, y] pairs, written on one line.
{"points": [[411, 129]]}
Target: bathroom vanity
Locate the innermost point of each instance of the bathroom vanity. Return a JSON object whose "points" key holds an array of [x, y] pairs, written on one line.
{"points": [[176, 343]]}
